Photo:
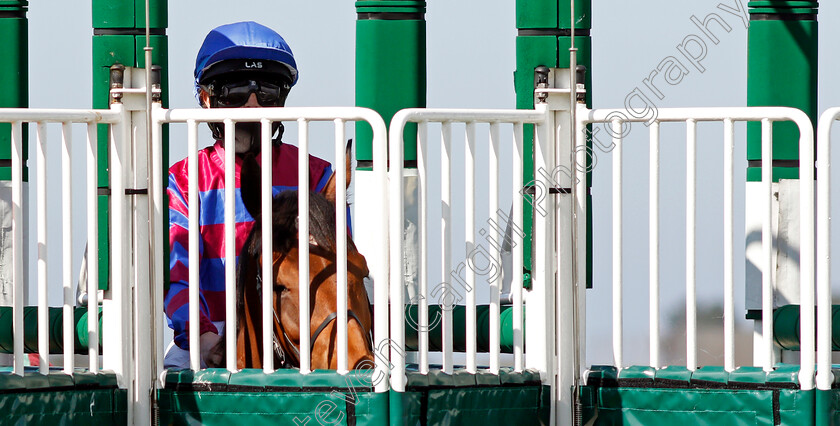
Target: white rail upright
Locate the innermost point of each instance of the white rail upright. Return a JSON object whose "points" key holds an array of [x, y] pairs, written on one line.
{"points": [[825, 377], [727, 116]]}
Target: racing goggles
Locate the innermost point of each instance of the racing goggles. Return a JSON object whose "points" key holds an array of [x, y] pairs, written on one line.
{"points": [[236, 94]]}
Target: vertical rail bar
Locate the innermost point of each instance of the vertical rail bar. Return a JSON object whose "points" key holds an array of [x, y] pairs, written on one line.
{"points": [[303, 244], [495, 284], [192, 170], [446, 242], [616, 245], [806, 256], [18, 226], [690, 245], [41, 188], [381, 319], [517, 250], [767, 243], [230, 244], [423, 290], [267, 249], [469, 224], [93, 249], [654, 244], [728, 247], [397, 279], [67, 248], [157, 230], [341, 243], [824, 308]]}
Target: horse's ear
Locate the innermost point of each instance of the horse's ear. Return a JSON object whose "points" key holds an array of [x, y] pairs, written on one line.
{"points": [[249, 184], [329, 189]]}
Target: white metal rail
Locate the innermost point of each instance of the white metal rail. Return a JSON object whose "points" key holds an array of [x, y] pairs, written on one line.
{"points": [[824, 308], [446, 118], [692, 116], [66, 118], [339, 116]]}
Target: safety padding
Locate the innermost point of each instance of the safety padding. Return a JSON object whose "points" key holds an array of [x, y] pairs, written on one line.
{"points": [[59, 398], [706, 396], [248, 380], [216, 396], [462, 398], [783, 376]]}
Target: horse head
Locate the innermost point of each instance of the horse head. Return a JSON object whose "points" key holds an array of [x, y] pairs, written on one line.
{"points": [[286, 290]]}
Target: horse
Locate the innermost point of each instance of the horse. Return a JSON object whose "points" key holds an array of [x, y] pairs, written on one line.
{"points": [[322, 284]]}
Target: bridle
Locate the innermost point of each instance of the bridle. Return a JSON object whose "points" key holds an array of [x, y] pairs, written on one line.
{"points": [[278, 348]]}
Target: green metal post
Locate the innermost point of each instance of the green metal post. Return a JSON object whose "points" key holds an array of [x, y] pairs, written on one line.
{"points": [[119, 35], [782, 71], [544, 38], [14, 75], [390, 67]]}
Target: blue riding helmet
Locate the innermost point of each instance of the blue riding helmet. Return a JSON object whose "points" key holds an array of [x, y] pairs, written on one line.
{"points": [[247, 47]]}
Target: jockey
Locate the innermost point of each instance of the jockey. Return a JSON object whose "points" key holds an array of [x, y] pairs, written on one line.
{"points": [[240, 65]]}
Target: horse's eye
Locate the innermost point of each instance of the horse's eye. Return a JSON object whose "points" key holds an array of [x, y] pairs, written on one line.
{"points": [[280, 288]]}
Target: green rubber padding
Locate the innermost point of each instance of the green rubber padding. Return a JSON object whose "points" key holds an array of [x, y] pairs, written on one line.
{"points": [[782, 376]]}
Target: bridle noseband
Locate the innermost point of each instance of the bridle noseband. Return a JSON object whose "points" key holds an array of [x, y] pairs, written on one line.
{"points": [[278, 349]]}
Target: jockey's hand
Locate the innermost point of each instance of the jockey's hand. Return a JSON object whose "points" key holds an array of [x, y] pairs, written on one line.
{"points": [[208, 342]]}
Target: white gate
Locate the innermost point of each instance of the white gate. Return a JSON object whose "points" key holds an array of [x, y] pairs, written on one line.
{"points": [[378, 262], [691, 117]]}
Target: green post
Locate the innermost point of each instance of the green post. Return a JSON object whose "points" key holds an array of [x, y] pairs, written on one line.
{"points": [[14, 75], [119, 36], [544, 37], [782, 71], [390, 67]]}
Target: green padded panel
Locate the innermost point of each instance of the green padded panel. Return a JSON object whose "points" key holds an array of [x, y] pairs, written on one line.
{"points": [[12, 382], [673, 376], [636, 376], [526, 405], [784, 374], [486, 378], [58, 379], [705, 377], [78, 407], [250, 377], [748, 375], [602, 375], [462, 378], [415, 379], [712, 407], [271, 408]]}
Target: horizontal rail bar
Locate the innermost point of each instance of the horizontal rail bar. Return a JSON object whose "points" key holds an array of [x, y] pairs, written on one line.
{"points": [[275, 114], [58, 115], [487, 116], [701, 114]]}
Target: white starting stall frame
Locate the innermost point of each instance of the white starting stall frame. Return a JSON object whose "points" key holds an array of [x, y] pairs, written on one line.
{"points": [[556, 302]]}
